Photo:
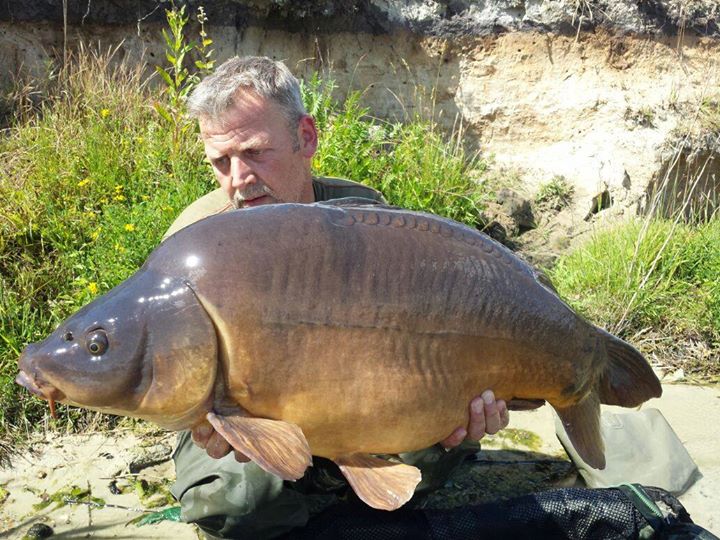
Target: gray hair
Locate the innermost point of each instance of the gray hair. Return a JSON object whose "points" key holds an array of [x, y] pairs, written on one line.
{"points": [[269, 79]]}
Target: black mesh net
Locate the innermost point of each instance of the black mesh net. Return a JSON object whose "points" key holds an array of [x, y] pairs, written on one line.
{"points": [[563, 513]]}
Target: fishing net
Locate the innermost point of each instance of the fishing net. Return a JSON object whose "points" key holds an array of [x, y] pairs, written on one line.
{"points": [[573, 513]]}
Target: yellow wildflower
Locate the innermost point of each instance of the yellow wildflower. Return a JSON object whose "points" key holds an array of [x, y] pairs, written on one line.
{"points": [[119, 248], [83, 182], [92, 287], [96, 233], [129, 227], [118, 188], [104, 113], [119, 197]]}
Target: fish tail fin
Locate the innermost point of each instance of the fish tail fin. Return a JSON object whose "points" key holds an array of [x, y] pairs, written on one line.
{"points": [[582, 425], [628, 379]]}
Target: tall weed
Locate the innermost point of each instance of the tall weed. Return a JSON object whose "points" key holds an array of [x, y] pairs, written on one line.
{"points": [[413, 164], [87, 188]]}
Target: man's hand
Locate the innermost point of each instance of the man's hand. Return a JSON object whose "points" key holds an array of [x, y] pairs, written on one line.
{"points": [[205, 436], [487, 416]]}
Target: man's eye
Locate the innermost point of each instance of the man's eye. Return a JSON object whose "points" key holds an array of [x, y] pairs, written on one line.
{"points": [[253, 152], [220, 163]]}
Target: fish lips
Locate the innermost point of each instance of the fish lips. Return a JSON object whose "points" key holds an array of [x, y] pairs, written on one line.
{"points": [[39, 388]]}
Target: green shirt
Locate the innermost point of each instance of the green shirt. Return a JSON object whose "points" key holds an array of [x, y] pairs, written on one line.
{"points": [[325, 188]]}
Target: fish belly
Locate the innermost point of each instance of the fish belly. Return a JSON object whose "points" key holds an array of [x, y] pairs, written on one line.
{"points": [[354, 390]]}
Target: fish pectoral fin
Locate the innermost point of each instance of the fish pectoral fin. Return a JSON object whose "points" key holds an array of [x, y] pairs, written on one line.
{"points": [[277, 447], [582, 425], [379, 483]]}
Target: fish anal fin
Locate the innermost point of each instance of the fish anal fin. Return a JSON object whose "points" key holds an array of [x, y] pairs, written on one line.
{"points": [[582, 425], [379, 483], [277, 447]]}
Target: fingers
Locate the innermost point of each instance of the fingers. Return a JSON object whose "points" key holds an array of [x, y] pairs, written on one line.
{"points": [[487, 417], [205, 436], [242, 458], [217, 446], [201, 434], [477, 422], [504, 414], [497, 416], [455, 438]]}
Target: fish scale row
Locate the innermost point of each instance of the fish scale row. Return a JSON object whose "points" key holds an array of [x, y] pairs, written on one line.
{"points": [[435, 226]]}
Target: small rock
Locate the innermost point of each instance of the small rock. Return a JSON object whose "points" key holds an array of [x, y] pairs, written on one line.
{"points": [[516, 208], [114, 489], [41, 475], [675, 376], [147, 457], [39, 531]]}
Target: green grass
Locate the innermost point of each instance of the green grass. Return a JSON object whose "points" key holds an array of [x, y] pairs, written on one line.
{"points": [[555, 194], [657, 276], [413, 164], [656, 280]]}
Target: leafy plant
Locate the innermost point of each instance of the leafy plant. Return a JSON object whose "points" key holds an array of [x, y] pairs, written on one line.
{"points": [[69, 495], [88, 184], [413, 164], [555, 194], [179, 80]]}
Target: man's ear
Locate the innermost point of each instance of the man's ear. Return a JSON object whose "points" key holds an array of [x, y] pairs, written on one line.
{"points": [[307, 136]]}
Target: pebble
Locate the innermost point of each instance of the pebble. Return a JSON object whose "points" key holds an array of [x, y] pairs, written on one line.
{"points": [[39, 531]]}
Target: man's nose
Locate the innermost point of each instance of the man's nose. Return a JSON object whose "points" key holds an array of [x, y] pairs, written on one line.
{"points": [[240, 172]]}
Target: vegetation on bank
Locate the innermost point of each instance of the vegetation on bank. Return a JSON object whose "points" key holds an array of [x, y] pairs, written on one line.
{"points": [[656, 283]]}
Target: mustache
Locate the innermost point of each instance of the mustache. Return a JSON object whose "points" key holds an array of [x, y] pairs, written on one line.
{"points": [[252, 192]]}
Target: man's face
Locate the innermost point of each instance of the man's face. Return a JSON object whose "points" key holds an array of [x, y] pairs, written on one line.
{"points": [[256, 156]]}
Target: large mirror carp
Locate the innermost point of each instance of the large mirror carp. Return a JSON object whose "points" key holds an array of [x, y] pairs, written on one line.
{"points": [[339, 330]]}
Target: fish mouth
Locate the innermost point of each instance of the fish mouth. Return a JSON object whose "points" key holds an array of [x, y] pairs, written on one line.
{"points": [[41, 389]]}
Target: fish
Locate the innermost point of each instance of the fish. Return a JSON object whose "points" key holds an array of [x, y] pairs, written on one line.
{"points": [[339, 329]]}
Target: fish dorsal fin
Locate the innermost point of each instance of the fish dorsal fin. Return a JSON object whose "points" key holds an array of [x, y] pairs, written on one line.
{"points": [[356, 201], [277, 447], [544, 280], [379, 483]]}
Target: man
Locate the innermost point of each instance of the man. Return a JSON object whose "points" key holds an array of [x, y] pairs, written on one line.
{"points": [[260, 143]]}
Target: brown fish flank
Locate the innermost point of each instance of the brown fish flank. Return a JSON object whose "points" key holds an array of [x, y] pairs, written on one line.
{"points": [[369, 329]]}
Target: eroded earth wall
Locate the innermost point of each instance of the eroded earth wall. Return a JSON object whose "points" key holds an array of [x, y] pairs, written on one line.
{"points": [[594, 91]]}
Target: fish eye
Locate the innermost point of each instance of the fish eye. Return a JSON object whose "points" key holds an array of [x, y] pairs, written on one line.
{"points": [[97, 342], [67, 336]]}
